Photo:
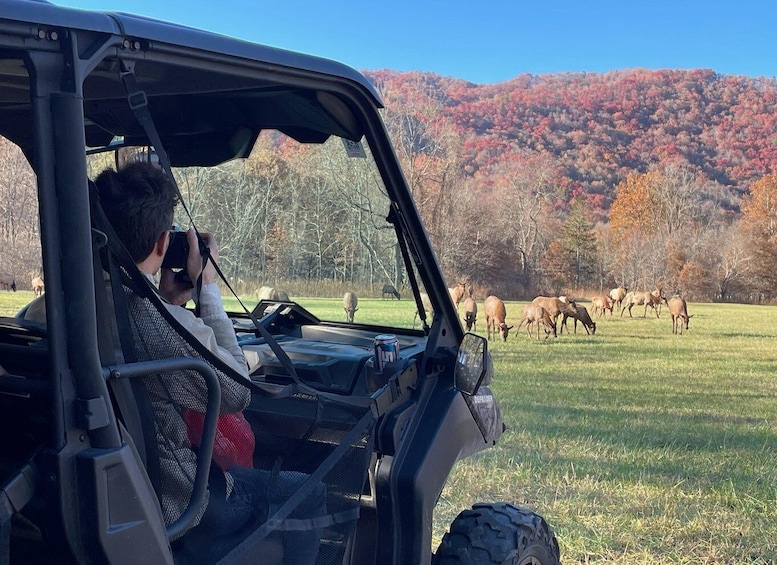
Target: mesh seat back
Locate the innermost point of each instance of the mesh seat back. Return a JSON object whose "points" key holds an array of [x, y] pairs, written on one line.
{"points": [[310, 446]]}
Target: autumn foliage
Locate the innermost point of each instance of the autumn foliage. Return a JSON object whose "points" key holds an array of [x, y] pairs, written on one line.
{"points": [[599, 128], [564, 183], [660, 159], [759, 224], [635, 205]]}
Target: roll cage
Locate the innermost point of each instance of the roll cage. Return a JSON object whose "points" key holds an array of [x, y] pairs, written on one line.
{"points": [[61, 91]]}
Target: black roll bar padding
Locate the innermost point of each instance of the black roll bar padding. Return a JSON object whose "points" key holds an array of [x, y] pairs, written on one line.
{"points": [[74, 327], [205, 451]]}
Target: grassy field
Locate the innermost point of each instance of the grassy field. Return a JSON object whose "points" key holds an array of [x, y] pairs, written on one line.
{"points": [[638, 446]]}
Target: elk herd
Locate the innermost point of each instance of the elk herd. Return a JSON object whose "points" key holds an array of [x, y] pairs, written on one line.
{"points": [[544, 311], [542, 314], [8, 283]]}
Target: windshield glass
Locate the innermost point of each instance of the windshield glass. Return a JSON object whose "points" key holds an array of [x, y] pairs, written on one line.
{"points": [[305, 222]]}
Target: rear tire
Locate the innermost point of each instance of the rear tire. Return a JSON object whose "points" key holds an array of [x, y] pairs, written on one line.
{"points": [[498, 533]]}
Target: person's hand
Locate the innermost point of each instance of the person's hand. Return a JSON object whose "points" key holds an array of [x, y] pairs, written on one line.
{"points": [[194, 262], [175, 288]]}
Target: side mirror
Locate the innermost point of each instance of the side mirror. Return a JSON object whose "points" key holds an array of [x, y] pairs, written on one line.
{"points": [[473, 364]]}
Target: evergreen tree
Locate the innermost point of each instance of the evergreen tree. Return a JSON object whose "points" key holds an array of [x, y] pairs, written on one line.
{"points": [[579, 241]]}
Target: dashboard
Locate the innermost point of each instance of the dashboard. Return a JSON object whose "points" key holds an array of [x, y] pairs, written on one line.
{"points": [[330, 358]]}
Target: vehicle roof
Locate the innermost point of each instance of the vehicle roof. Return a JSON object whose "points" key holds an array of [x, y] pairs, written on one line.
{"points": [[44, 12], [207, 113]]}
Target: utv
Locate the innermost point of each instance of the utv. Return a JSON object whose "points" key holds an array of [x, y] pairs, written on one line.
{"points": [[286, 159]]}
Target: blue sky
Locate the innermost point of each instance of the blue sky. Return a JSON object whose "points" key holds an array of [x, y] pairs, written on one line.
{"points": [[493, 41]]}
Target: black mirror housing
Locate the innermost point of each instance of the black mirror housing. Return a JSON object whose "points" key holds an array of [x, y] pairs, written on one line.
{"points": [[473, 364]]}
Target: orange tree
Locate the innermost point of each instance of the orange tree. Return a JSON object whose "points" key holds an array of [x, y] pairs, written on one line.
{"points": [[635, 205], [759, 223]]}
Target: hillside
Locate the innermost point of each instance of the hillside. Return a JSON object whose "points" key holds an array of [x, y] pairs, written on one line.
{"points": [[598, 128]]}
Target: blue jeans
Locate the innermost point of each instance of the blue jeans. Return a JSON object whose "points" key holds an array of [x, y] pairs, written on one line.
{"points": [[255, 497]]}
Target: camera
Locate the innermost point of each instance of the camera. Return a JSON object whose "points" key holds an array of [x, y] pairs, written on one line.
{"points": [[178, 250]]}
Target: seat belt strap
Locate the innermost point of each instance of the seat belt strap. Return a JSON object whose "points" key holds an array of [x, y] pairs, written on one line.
{"points": [[276, 521], [138, 102], [394, 218]]}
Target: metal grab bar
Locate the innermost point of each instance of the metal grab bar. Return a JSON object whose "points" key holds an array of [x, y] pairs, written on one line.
{"points": [[205, 451]]}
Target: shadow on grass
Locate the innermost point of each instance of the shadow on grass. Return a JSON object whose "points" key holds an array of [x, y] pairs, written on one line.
{"points": [[745, 335], [652, 447]]}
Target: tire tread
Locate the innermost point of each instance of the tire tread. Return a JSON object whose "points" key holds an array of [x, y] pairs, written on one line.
{"points": [[498, 533]]}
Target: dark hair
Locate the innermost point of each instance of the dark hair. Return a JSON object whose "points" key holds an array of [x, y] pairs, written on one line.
{"points": [[139, 201]]}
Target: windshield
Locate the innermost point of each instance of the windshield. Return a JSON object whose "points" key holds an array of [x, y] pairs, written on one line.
{"points": [[304, 222]]}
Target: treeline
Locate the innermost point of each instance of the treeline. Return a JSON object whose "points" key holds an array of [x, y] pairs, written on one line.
{"points": [[538, 176], [287, 213], [19, 228], [295, 213], [555, 184]]}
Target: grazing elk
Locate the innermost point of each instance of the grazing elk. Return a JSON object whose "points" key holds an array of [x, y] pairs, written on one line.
{"points": [[470, 314], [583, 316], [617, 295], [635, 298], [7, 282], [555, 307], [267, 293], [457, 293], [350, 305], [600, 305], [534, 313], [389, 291], [678, 309], [270, 293], [37, 286], [427, 304], [496, 313]]}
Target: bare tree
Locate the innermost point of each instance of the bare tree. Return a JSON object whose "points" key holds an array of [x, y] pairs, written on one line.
{"points": [[520, 209], [677, 195], [19, 233], [732, 260], [638, 262]]}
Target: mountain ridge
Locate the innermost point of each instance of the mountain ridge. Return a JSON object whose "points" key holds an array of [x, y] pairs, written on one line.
{"points": [[600, 127]]}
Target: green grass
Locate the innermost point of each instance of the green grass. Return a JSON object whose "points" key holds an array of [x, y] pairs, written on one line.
{"points": [[638, 446], [12, 302], [392, 313]]}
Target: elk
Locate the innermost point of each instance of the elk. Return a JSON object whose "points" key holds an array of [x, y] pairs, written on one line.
{"points": [[390, 291], [653, 299], [283, 295], [37, 286], [678, 309], [600, 304], [270, 293], [496, 313], [350, 305], [427, 304], [555, 307], [267, 293], [585, 319], [535, 313], [470, 314], [7, 282], [617, 295], [457, 293]]}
